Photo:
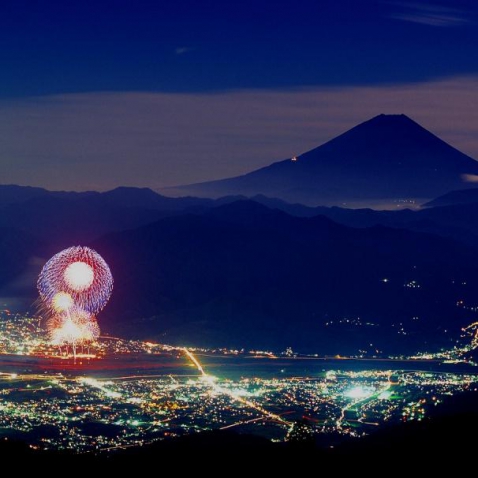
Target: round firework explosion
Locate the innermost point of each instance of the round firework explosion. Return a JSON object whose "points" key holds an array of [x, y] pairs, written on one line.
{"points": [[77, 276], [62, 302]]}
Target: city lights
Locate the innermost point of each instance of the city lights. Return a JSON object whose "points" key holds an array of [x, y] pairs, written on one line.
{"points": [[131, 393]]}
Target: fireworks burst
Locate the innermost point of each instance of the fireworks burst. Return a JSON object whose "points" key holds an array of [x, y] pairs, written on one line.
{"points": [[77, 328], [80, 272], [74, 285], [62, 301]]}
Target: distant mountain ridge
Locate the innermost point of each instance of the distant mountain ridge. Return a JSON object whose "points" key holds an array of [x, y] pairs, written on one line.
{"points": [[387, 158], [120, 196]]}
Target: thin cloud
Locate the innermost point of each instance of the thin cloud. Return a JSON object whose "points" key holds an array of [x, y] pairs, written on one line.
{"points": [[470, 178], [431, 15], [181, 50]]}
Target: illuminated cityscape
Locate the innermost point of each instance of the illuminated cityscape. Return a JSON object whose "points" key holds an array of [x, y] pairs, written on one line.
{"points": [[126, 393]]}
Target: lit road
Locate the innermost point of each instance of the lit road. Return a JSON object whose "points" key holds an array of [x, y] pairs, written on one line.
{"points": [[218, 389]]}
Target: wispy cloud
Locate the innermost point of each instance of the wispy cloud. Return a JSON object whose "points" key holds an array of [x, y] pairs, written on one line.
{"points": [[430, 14], [103, 140], [181, 50]]}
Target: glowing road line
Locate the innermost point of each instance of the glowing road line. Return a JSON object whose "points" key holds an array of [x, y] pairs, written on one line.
{"points": [[210, 379], [195, 361], [252, 420]]}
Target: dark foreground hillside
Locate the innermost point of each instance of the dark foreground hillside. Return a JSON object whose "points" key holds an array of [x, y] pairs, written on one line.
{"points": [[243, 275], [442, 439]]}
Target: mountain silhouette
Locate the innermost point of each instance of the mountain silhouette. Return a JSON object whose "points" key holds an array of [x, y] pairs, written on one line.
{"points": [[148, 199], [386, 159]]}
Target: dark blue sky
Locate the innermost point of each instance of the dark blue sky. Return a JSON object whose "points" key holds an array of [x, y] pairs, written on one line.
{"points": [[195, 46], [98, 94]]}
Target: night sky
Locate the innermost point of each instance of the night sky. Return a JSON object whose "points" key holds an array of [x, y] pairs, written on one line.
{"points": [[95, 95]]}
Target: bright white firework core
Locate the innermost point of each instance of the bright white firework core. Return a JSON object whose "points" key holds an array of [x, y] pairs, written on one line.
{"points": [[79, 275], [62, 301]]}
